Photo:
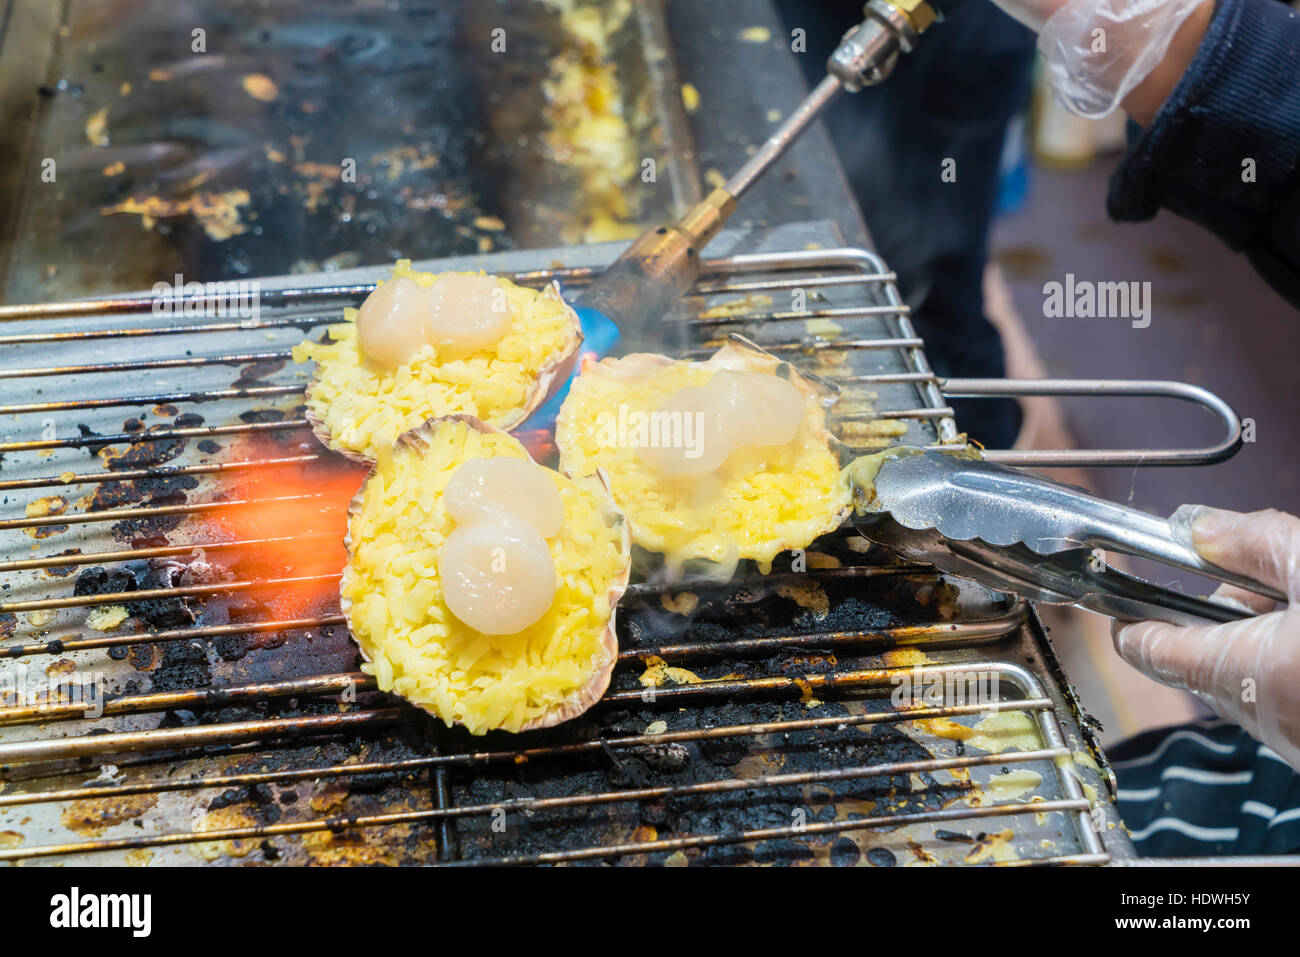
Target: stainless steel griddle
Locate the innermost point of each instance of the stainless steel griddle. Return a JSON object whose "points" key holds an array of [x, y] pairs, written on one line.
{"points": [[233, 735]]}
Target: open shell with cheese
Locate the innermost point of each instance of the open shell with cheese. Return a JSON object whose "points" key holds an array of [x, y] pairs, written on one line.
{"points": [[759, 473], [424, 506], [424, 345]]}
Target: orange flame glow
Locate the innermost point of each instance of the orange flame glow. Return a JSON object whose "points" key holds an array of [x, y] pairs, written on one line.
{"points": [[296, 517]]}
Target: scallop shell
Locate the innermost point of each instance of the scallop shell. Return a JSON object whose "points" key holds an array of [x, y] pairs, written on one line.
{"points": [[738, 354], [418, 440], [552, 375]]}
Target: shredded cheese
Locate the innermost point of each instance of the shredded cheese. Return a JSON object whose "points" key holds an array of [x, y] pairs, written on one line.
{"points": [[763, 499], [417, 648], [365, 408]]}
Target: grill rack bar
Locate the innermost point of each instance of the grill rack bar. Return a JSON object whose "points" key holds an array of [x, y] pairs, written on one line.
{"points": [[162, 435], [135, 554], [140, 703], [468, 759], [967, 631], [161, 471], [159, 399], [868, 268], [136, 365], [761, 783], [58, 646], [150, 511], [191, 591], [1075, 803], [865, 271], [146, 594], [167, 739]]}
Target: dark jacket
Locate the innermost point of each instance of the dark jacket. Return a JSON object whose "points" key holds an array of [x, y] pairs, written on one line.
{"points": [[1224, 150]]}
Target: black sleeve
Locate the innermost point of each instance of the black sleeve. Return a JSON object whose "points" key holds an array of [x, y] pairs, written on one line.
{"points": [[1224, 149]]}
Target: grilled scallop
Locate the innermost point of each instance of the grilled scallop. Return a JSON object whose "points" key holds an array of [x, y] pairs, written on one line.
{"points": [[481, 586], [424, 345], [718, 460]]}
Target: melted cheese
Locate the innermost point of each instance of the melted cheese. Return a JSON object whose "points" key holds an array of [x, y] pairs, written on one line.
{"points": [[417, 648], [1013, 784], [366, 407], [759, 502]]}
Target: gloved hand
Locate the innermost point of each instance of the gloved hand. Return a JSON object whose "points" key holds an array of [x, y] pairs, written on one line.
{"points": [[1098, 51], [1248, 671]]}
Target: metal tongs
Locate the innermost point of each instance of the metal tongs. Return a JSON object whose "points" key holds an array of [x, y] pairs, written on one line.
{"points": [[1028, 535]]}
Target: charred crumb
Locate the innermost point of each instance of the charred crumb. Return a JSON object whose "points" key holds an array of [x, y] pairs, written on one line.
{"points": [[629, 772], [262, 415], [270, 851], [943, 835], [189, 420], [156, 613], [249, 374], [801, 663], [141, 656], [369, 784], [251, 612], [8, 624], [163, 490], [146, 532], [844, 853], [88, 435], [230, 713], [132, 425], [179, 718], [164, 411], [148, 451], [98, 580], [264, 808], [228, 798], [783, 851], [654, 813], [184, 666], [209, 447], [243, 609], [146, 454], [164, 613], [204, 573], [47, 531], [727, 855], [63, 571], [882, 857], [232, 647], [723, 752]]}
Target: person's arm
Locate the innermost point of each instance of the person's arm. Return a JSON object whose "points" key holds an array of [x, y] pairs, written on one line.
{"points": [[1221, 143], [1216, 86], [1150, 95]]}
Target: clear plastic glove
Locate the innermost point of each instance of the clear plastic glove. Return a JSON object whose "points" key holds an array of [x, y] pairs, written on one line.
{"points": [[1248, 671], [1098, 51]]}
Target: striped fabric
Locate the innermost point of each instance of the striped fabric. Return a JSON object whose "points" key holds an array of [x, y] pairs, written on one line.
{"points": [[1206, 789]]}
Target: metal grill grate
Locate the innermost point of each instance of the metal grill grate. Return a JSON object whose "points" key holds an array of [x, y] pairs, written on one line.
{"points": [[247, 732]]}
